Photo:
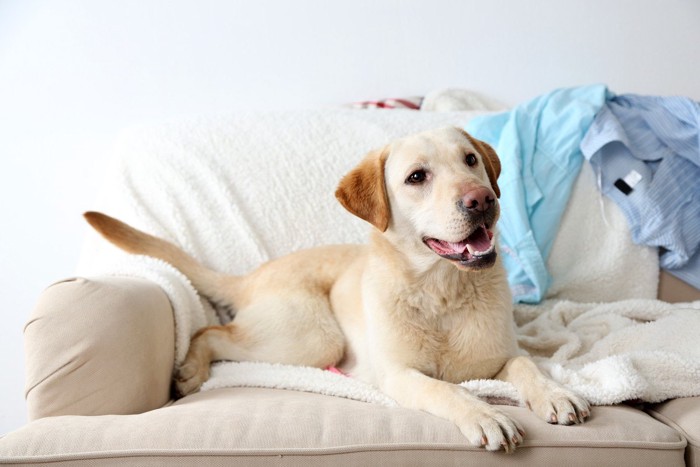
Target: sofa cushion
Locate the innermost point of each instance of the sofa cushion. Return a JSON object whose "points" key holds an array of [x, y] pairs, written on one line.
{"points": [[268, 426], [684, 416]]}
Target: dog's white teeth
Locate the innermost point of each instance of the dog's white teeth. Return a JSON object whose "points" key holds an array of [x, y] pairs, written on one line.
{"points": [[472, 251]]}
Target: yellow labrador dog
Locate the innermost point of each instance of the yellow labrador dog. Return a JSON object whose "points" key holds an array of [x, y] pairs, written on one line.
{"points": [[424, 306]]}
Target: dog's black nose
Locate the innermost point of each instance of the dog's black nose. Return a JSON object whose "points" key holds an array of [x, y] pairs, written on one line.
{"points": [[479, 199]]}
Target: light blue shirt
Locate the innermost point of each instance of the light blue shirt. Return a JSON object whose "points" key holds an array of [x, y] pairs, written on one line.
{"points": [[538, 144], [646, 150]]}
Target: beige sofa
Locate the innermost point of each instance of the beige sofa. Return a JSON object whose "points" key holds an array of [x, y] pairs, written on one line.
{"points": [[100, 349], [99, 359]]}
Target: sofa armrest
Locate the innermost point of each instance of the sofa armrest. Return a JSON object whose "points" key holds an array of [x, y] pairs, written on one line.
{"points": [[99, 346]]}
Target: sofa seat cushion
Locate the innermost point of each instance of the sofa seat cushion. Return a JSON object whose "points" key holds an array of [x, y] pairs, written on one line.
{"points": [[684, 416], [276, 427]]}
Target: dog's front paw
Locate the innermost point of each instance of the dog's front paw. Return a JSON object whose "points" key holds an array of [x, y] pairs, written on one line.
{"points": [[190, 377], [556, 404], [488, 427]]}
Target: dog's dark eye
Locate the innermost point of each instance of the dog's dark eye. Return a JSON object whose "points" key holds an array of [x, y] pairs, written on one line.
{"points": [[471, 160], [417, 177]]}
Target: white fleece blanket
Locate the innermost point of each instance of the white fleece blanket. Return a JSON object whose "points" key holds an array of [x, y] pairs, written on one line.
{"points": [[236, 191], [641, 350]]}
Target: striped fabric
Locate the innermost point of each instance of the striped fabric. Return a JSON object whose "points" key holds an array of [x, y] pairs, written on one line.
{"points": [[646, 152], [412, 103]]}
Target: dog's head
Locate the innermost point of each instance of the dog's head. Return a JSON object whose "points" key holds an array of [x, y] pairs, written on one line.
{"points": [[435, 193]]}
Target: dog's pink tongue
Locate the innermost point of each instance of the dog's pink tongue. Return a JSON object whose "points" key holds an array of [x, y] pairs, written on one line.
{"points": [[479, 240], [442, 247], [457, 247]]}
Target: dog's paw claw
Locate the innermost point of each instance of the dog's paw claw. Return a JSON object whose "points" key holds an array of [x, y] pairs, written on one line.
{"points": [[491, 429], [558, 405]]}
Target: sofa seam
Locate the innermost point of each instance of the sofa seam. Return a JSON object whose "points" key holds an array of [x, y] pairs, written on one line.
{"points": [[316, 452], [691, 440]]}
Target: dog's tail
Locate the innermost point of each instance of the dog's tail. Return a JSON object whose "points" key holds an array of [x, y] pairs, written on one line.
{"points": [[219, 288]]}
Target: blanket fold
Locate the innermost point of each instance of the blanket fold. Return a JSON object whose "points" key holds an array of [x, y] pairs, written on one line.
{"points": [[643, 350]]}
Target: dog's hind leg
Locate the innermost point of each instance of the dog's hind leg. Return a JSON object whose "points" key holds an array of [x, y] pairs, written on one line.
{"points": [[293, 328], [208, 344]]}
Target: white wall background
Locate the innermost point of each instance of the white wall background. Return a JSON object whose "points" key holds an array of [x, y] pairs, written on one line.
{"points": [[73, 73]]}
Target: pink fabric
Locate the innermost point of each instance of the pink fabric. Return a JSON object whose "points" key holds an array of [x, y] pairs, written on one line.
{"points": [[333, 369], [412, 103]]}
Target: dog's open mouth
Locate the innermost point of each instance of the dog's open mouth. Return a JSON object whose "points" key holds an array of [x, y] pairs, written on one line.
{"points": [[477, 250]]}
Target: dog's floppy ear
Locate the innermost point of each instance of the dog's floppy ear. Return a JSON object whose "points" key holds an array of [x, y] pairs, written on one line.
{"points": [[363, 191], [492, 163]]}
